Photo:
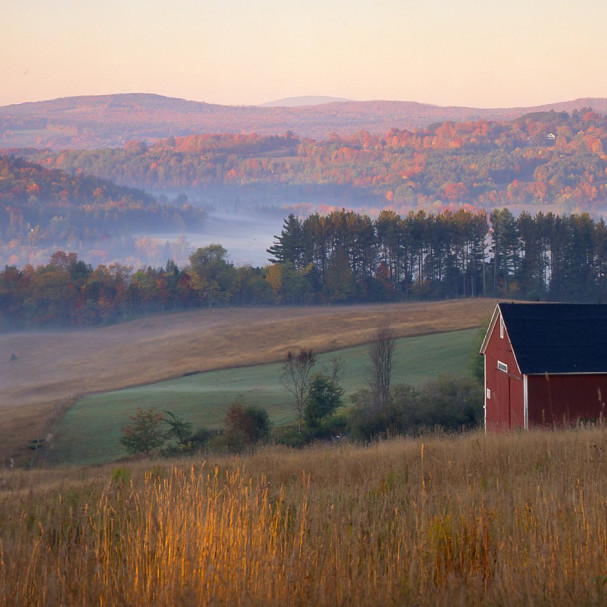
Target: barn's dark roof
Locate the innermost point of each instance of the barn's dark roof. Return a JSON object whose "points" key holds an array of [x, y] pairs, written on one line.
{"points": [[557, 338]]}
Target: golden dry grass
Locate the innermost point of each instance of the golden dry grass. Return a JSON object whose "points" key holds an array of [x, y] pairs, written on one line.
{"points": [[516, 519], [53, 367]]}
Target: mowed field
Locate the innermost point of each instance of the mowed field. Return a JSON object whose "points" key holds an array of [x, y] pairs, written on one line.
{"points": [[53, 369], [90, 431]]}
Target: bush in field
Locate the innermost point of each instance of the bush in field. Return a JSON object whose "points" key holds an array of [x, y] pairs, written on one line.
{"points": [[202, 436], [245, 425], [451, 403], [367, 421], [322, 400], [145, 433], [179, 429], [448, 402], [333, 428]]}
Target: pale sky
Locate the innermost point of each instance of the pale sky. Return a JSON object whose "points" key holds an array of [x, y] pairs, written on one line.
{"points": [[481, 53]]}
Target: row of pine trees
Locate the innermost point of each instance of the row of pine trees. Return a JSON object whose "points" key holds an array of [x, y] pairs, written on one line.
{"points": [[345, 256]]}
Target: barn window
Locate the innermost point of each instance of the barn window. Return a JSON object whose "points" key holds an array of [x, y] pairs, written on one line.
{"points": [[488, 393], [502, 366], [501, 328]]}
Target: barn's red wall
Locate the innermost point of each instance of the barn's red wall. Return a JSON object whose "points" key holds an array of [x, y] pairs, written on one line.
{"points": [[563, 399], [505, 406]]}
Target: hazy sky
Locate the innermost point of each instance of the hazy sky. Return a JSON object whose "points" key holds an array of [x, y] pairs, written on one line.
{"points": [[484, 53]]}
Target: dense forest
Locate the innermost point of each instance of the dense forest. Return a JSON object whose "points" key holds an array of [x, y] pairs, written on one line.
{"points": [[41, 206], [343, 257], [545, 157]]}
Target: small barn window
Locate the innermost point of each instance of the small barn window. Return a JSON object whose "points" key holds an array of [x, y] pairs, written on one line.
{"points": [[502, 366], [501, 328], [488, 393]]}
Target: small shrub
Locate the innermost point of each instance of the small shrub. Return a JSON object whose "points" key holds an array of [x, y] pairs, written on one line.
{"points": [[322, 400], [202, 436], [245, 425], [451, 403], [291, 436], [179, 429], [145, 433]]}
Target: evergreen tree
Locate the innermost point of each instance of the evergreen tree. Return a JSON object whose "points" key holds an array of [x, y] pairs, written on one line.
{"points": [[289, 246]]}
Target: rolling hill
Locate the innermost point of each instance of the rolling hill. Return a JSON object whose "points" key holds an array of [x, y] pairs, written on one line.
{"points": [[112, 120], [303, 100], [51, 369]]}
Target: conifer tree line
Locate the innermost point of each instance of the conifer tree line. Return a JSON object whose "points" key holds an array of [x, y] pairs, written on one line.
{"points": [[342, 257], [348, 257]]}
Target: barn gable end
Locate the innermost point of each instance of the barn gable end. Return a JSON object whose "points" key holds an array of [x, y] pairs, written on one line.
{"points": [[504, 382]]}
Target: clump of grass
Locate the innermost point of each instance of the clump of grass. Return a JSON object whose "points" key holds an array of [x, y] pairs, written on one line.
{"points": [[474, 520]]}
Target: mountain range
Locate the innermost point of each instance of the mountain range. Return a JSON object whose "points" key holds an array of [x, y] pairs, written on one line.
{"points": [[303, 100], [112, 120]]}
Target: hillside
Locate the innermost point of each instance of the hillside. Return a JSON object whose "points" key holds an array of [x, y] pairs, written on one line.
{"points": [[51, 368], [550, 158], [112, 120], [90, 431], [49, 209], [303, 100]]}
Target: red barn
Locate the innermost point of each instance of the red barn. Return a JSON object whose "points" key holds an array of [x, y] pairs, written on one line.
{"points": [[545, 364]]}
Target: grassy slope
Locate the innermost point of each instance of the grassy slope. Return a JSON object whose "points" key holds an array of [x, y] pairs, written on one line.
{"points": [[53, 367], [90, 431]]}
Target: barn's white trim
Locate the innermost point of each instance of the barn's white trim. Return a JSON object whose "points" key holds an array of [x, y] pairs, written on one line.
{"points": [[485, 399], [525, 403], [494, 317], [572, 373]]}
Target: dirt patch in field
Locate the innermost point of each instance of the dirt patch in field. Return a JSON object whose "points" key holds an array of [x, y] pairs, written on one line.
{"points": [[39, 370]]}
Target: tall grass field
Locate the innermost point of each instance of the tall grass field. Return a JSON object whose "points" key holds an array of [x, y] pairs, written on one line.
{"points": [[90, 431], [511, 519]]}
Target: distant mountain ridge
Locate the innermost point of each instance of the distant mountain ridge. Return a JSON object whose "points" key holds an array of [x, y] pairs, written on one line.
{"points": [[112, 120], [303, 100]]}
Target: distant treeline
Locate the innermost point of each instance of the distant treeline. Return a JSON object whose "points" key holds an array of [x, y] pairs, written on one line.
{"points": [[343, 257], [541, 157]]}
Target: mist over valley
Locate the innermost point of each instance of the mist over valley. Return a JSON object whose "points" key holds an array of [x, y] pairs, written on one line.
{"points": [[236, 188]]}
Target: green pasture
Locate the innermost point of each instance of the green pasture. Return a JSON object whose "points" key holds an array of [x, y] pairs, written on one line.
{"points": [[90, 431]]}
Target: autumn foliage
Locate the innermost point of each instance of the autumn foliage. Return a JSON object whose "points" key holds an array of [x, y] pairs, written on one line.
{"points": [[40, 206], [541, 157]]}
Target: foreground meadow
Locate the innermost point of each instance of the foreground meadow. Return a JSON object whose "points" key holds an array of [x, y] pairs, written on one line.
{"points": [[470, 520]]}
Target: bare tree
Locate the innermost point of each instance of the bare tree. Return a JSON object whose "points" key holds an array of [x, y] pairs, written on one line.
{"points": [[336, 370], [380, 354], [295, 377]]}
